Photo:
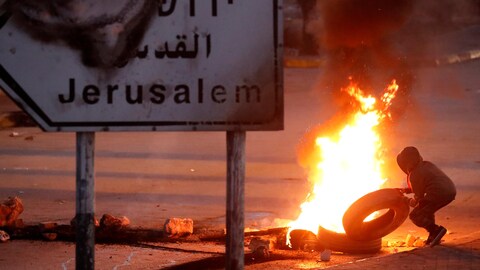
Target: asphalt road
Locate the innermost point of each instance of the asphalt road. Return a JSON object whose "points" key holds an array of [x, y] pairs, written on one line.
{"points": [[149, 177]]}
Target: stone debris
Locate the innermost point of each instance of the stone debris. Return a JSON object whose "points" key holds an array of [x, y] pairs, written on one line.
{"points": [[15, 134], [261, 246], [47, 226], [111, 222], [49, 236], [325, 255], [4, 237], [257, 242], [414, 241], [73, 222], [10, 209], [178, 227]]}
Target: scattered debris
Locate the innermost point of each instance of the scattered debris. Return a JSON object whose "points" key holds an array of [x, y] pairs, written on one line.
{"points": [[110, 222], [396, 244], [73, 222], [10, 209], [302, 239], [419, 242], [29, 138], [4, 237], [178, 227], [325, 255], [261, 253], [47, 226], [15, 134], [49, 236], [410, 240]]}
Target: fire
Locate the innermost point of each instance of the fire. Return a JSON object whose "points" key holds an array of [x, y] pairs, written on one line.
{"points": [[349, 164]]}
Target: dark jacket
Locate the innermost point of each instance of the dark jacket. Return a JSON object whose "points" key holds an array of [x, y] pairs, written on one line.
{"points": [[425, 179]]}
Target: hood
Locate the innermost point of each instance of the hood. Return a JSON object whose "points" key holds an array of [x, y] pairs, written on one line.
{"points": [[408, 159]]}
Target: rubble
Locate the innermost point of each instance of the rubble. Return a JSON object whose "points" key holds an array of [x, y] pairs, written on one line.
{"points": [[110, 222], [4, 237], [49, 236], [73, 222], [178, 227], [10, 209], [261, 246], [325, 255], [47, 226]]}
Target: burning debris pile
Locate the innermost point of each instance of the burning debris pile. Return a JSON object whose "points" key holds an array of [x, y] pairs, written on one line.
{"points": [[346, 165], [345, 159]]}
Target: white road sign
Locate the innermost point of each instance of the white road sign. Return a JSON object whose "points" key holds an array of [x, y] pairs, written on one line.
{"points": [[145, 65]]}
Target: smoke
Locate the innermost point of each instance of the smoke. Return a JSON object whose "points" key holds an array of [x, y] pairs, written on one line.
{"points": [[375, 41], [355, 38]]}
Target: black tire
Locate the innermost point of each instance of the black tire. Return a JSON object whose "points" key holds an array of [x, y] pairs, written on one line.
{"points": [[341, 242], [391, 199]]}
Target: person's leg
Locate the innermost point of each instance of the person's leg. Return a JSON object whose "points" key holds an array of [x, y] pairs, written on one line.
{"points": [[424, 216]]}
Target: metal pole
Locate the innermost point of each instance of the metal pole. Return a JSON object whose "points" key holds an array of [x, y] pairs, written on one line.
{"points": [[235, 199], [85, 202]]}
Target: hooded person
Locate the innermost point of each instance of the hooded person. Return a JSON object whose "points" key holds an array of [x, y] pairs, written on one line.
{"points": [[432, 189]]}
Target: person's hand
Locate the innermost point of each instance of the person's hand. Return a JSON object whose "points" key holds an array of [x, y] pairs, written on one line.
{"points": [[412, 202], [405, 190]]}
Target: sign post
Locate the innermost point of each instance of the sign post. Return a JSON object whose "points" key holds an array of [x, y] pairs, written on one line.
{"points": [[235, 199], [173, 65], [85, 201]]}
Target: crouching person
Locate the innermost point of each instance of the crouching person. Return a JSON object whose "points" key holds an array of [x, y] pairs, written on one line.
{"points": [[432, 189]]}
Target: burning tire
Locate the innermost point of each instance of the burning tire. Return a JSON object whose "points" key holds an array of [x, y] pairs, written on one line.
{"points": [[341, 242], [391, 199]]}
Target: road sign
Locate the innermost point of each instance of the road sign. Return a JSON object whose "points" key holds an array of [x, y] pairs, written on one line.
{"points": [[214, 66]]}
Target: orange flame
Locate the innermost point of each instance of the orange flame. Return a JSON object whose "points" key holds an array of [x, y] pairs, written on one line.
{"points": [[348, 166]]}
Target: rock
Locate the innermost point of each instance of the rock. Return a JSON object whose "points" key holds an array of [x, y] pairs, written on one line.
{"points": [[178, 226], [10, 209], [113, 223], [47, 226], [73, 222], [49, 236], [325, 255], [261, 253], [4, 237], [257, 242], [261, 247]]}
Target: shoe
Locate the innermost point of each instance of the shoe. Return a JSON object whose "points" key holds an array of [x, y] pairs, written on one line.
{"points": [[430, 238], [437, 236], [432, 233]]}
